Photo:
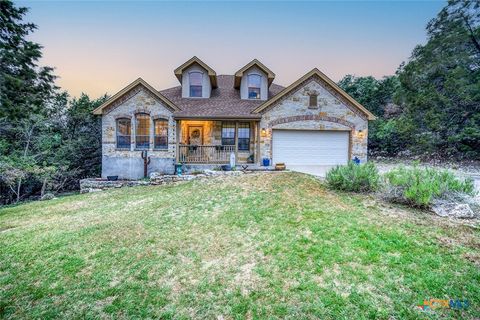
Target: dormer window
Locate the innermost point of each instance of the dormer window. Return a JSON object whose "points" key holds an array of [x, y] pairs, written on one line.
{"points": [[195, 79], [254, 82]]}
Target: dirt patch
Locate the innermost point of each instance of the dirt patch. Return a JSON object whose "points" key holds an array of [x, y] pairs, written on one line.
{"points": [[5, 228]]}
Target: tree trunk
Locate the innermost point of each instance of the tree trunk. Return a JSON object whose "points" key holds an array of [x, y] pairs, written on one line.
{"points": [[44, 186], [19, 186]]}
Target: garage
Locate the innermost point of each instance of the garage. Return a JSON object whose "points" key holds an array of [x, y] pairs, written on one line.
{"points": [[307, 148]]}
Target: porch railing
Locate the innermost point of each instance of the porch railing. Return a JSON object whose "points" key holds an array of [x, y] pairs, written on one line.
{"points": [[205, 154]]}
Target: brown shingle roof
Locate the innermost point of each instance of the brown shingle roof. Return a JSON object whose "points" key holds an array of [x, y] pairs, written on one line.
{"points": [[223, 103]]}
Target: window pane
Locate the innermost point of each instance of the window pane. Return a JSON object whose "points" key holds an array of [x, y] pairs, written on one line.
{"points": [[195, 91], [313, 100], [195, 84], [161, 134], [228, 133], [228, 141], [244, 136], [244, 130], [254, 80], [196, 78], [123, 142], [142, 137], [253, 93], [123, 126], [243, 144], [123, 133]]}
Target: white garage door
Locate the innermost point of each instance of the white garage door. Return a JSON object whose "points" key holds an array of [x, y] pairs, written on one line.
{"points": [[297, 147]]}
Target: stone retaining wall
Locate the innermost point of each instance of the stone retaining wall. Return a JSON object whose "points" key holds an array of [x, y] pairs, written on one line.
{"points": [[94, 185]]}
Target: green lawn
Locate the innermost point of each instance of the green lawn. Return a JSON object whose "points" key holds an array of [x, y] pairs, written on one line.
{"points": [[276, 245]]}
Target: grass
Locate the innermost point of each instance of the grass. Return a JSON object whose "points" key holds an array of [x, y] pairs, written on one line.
{"points": [[276, 245]]}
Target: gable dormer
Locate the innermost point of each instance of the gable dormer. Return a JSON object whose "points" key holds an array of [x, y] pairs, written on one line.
{"points": [[197, 79], [253, 80]]}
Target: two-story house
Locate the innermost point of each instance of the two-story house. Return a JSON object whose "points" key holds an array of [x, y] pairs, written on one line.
{"points": [[205, 119]]}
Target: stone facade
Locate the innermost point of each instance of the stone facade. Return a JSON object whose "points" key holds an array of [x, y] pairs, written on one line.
{"points": [[128, 163], [331, 113], [292, 111]]}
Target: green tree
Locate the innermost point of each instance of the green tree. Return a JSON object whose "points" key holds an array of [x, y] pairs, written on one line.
{"points": [[46, 141], [25, 88], [440, 84], [81, 147], [377, 96]]}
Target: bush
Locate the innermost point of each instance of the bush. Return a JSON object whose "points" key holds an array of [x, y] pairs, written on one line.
{"points": [[420, 186], [353, 177]]}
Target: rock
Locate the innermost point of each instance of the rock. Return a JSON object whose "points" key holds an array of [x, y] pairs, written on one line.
{"points": [[155, 175], [47, 196], [94, 190], [233, 173], [212, 172], [453, 209]]}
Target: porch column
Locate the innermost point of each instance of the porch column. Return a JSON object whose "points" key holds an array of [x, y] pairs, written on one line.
{"points": [[133, 143], [178, 128], [257, 142], [236, 142]]}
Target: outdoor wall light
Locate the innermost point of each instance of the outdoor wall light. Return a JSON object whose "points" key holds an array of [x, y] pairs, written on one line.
{"points": [[264, 132]]}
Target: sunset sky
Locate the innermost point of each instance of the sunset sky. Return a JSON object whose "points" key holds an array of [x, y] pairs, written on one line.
{"points": [[100, 47]]}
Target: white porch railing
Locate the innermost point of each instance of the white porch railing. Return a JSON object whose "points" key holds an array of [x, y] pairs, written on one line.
{"points": [[205, 154]]}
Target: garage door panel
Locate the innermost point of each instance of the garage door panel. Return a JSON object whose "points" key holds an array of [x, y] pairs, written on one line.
{"points": [[302, 147]]}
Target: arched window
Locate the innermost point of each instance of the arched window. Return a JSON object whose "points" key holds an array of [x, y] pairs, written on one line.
{"points": [[124, 131], [161, 134], [195, 79], [142, 132], [254, 81]]}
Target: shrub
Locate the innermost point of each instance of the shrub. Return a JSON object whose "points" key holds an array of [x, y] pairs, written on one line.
{"points": [[353, 177], [420, 186]]}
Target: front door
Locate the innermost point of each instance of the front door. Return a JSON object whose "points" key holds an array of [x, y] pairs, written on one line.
{"points": [[195, 135]]}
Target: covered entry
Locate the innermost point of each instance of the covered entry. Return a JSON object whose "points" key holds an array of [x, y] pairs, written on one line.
{"points": [[310, 148]]}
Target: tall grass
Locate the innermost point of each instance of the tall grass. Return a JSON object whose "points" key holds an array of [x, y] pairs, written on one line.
{"points": [[353, 177], [420, 186]]}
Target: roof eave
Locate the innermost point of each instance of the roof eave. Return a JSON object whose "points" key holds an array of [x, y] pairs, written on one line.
{"points": [[219, 117]]}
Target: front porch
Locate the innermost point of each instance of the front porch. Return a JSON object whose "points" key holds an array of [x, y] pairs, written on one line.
{"points": [[213, 141]]}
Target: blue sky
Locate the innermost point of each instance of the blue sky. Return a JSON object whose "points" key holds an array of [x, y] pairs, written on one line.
{"points": [[100, 46]]}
